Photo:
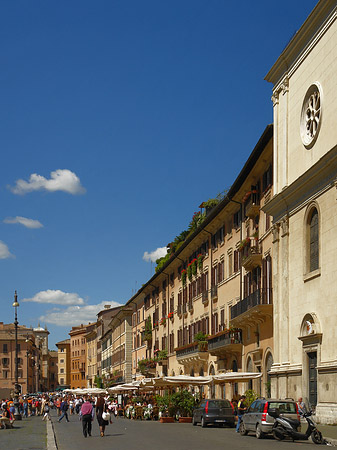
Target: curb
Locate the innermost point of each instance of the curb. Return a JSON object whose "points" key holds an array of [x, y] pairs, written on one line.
{"points": [[331, 442], [51, 438]]}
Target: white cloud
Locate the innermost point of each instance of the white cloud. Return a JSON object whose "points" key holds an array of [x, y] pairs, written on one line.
{"points": [[156, 254], [4, 251], [28, 223], [56, 297], [75, 315], [60, 180]]}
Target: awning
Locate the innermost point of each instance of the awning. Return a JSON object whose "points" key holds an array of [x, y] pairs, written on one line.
{"points": [[236, 377]]}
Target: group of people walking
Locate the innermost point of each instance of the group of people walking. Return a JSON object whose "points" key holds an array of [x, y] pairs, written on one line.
{"points": [[87, 408]]}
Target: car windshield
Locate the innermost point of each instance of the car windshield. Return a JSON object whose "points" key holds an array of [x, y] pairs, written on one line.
{"points": [[218, 403], [283, 407]]}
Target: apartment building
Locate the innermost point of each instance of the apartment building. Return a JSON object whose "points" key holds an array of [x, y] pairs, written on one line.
{"points": [[116, 346], [29, 360], [304, 211], [210, 305], [63, 363], [91, 353], [53, 370], [103, 319], [78, 356]]}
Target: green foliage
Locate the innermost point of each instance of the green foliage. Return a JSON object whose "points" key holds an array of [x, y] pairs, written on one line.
{"points": [[98, 381], [148, 329], [251, 395], [184, 402], [211, 203], [200, 336]]}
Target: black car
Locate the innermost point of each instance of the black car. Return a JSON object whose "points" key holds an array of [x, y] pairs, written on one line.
{"points": [[216, 411]]}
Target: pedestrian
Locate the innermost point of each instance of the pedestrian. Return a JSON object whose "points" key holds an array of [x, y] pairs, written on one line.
{"points": [[241, 410], [103, 417], [46, 411], [301, 406], [25, 408], [64, 409], [58, 406], [87, 416]]}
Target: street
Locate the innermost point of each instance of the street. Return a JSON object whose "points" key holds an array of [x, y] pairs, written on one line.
{"points": [[135, 435]]}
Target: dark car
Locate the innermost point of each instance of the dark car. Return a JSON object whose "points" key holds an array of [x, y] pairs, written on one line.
{"points": [[214, 411], [257, 419]]}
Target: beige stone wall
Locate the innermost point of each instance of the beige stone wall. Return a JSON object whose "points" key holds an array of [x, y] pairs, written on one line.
{"points": [[304, 312]]}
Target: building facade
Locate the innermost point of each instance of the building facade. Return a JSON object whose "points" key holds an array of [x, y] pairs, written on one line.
{"points": [[63, 364], [304, 212], [210, 306], [29, 360], [78, 357]]}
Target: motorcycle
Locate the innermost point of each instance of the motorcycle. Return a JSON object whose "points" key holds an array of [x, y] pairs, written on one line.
{"points": [[284, 427]]}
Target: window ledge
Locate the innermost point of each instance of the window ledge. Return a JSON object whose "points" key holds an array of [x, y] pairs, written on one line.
{"points": [[314, 274]]}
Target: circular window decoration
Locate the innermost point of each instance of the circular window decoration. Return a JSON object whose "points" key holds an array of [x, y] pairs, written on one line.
{"points": [[311, 115]]}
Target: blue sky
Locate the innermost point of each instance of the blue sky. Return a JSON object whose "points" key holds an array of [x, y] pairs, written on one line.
{"points": [[117, 119]]}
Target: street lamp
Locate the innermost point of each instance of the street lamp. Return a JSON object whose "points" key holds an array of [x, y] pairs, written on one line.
{"points": [[17, 413]]}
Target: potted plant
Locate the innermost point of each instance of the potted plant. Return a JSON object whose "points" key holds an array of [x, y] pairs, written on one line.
{"points": [[166, 410], [200, 261], [184, 402]]}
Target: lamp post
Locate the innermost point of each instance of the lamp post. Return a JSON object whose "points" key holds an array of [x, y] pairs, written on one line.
{"points": [[17, 413]]}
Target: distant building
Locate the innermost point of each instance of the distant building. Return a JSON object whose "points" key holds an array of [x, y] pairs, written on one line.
{"points": [[52, 375], [91, 353], [78, 356], [103, 319], [63, 364], [29, 360]]}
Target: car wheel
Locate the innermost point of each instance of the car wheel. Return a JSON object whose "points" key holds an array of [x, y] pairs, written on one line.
{"points": [[259, 433], [203, 423], [194, 421], [242, 429]]}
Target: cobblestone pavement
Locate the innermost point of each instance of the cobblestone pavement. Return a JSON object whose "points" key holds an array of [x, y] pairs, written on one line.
{"points": [[134, 435], [27, 434]]}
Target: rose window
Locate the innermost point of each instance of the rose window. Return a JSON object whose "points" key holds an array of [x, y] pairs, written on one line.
{"points": [[311, 116]]}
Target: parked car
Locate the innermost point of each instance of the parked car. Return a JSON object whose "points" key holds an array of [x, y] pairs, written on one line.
{"points": [[217, 411], [257, 419]]}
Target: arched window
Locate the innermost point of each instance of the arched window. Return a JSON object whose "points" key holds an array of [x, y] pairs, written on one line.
{"points": [[313, 241]]}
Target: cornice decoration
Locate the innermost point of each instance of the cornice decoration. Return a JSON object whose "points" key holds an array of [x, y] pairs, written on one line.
{"points": [[285, 226], [276, 232], [275, 98], [285, 85]]}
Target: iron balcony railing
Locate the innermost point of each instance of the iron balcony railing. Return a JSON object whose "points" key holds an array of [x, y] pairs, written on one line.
{"points": [[259, 297], [196, 347], [221, 340]]}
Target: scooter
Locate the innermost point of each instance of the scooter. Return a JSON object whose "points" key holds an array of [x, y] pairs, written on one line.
{"points": [[285, 427]]}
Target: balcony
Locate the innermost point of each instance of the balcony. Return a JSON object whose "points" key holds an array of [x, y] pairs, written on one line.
{"points": [[251, 255], [214, 292], [256, 307], [252, 205], [225, 342], [205, 297], [197, 351]]}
